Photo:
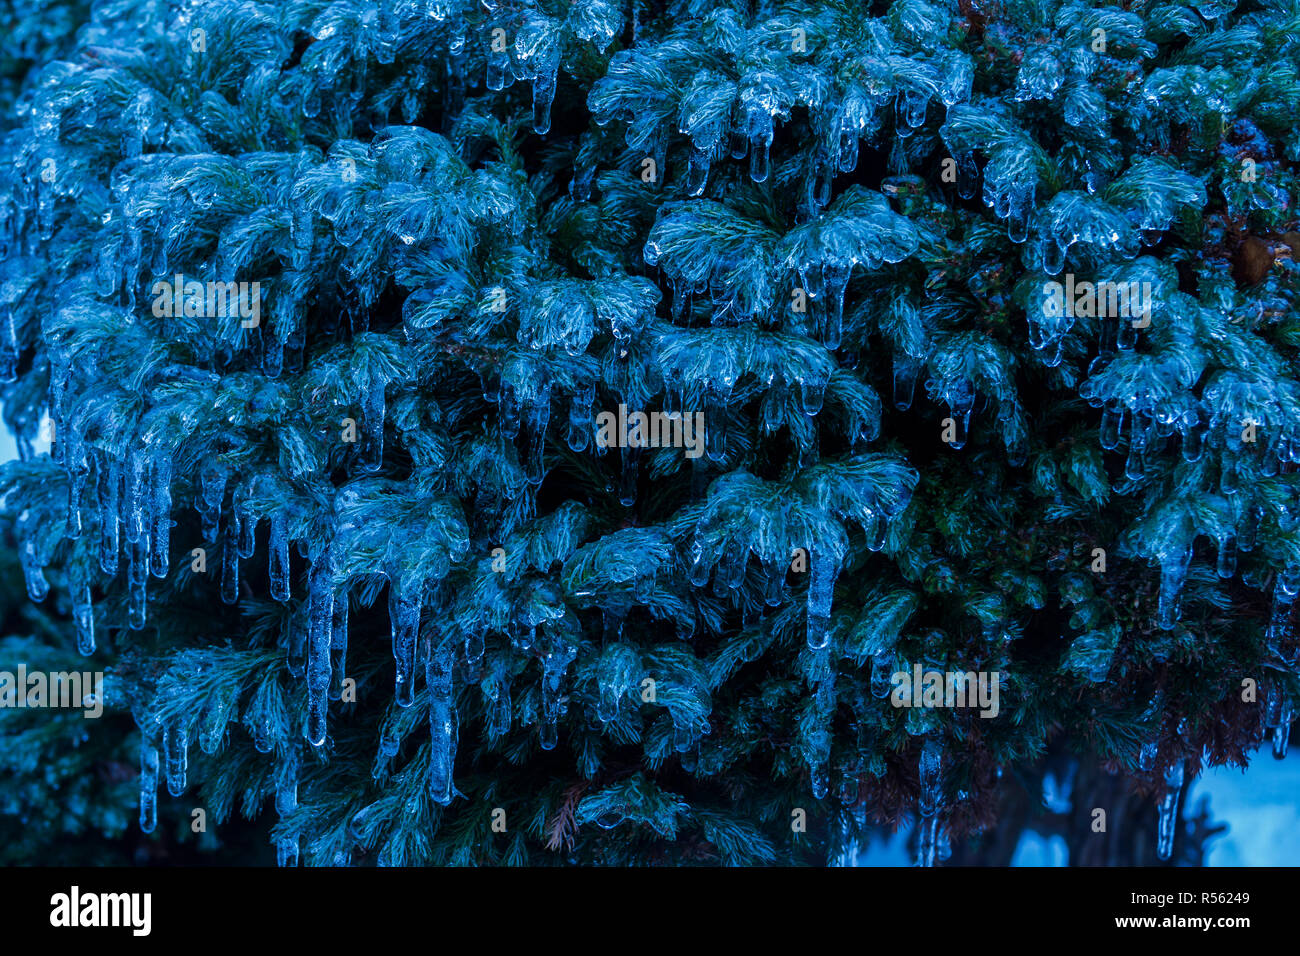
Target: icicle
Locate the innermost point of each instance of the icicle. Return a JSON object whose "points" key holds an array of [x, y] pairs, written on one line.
{"points": [[110, 540], [544, 95], [212, 492], [715, 432], [278, 557], [1112, 425], [78, 463], [148, 786], [554, 661], [229, 564], [160, 523], [176, 745], [929, 803], [10, 349], [372, 426], [339, 645], [968, 173], [33, 572], [404, 615], [1227, 566], [286, 801], [137, 576], [1247, 528], [700, 567], [83, 609], [907, 370], [774, 576], [137, 496], [697, 171], [1280, 735], [498, 68], [1277, 716], [836, 280], [536, 417], [822, 571], [442, 722], [245, 522], [579, 436], [1168, 821], [759, 160], [960, 405], [320, 638], [812, 392], [499, 712], [1173, 572], [1147, 756], [294, 630]]}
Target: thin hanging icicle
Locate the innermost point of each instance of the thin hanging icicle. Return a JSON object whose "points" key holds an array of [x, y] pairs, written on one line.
{"points": [[1173, 573], [245, 521], [278, 557], [212, 492], [442, 722], [373, 410], [33, 567], [148, 786], [554, 661], [176, 745], [137, 497], [160, 522], [110, 523], [339, 645], [1168, 821], [498, 692], [930, 803], [229, 564], [320, 639], [137, 575], [286, 801], [822, 571], [83, 609], [78, 462], [404, 615]]}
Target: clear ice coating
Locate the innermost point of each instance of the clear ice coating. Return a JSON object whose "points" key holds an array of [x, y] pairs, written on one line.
{"points": [[1167, 823], [438, 672]]}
